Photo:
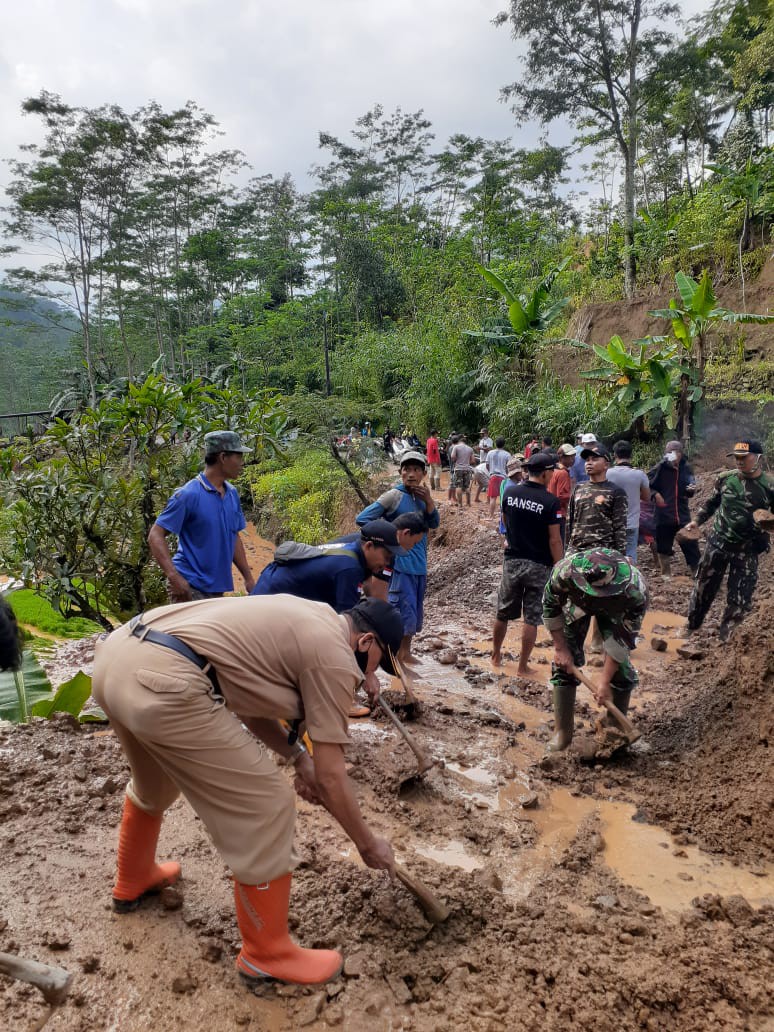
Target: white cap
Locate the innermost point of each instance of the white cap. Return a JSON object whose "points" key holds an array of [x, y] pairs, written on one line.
{"points": [[588, 439]]}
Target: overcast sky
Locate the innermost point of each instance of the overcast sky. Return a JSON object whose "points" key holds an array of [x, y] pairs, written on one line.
{"points": [[271, 74]]}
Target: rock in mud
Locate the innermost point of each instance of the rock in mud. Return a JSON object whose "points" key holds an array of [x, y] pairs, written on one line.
{"points": [[356, 964], [212, 951], [448, 657], [400, 990], [690, 651], [171, 898], [183, 984], [309, 1010], [529, 801], [658, 644]]}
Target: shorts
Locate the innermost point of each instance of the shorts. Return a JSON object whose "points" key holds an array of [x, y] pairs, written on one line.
{"points": [[521, 591], [493, 490], [407, 594], [461, 478]]}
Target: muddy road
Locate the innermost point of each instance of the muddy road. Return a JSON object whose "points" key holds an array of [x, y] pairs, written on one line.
{"points": [[631, 893]]}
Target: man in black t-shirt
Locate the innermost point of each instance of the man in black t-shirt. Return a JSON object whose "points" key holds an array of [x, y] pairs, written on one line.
{"points": [[531, 517]]}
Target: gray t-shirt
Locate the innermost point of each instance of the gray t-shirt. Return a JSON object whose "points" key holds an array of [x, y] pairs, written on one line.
{"points": [[630, 480], [461, 456], [496, 461]]}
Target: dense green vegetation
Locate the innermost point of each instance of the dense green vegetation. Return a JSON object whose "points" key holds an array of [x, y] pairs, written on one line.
{"points": [[421, 281]]}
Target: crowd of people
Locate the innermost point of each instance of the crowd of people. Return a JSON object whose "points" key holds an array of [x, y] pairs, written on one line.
{"points": [[200, 693]]}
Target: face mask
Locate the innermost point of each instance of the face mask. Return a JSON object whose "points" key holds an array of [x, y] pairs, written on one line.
{"points": [[361, 658], [671, 456]]}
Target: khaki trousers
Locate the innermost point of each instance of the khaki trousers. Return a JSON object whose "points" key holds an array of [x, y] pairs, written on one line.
{"points": [[178, 737]]}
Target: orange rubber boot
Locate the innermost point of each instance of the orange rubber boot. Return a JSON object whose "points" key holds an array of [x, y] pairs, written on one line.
{"points": [[138, 873], [267, 951]]}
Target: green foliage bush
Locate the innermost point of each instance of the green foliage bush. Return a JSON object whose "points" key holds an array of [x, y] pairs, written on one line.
{"points": [[552, 410], [35, 611], [301, 501]]}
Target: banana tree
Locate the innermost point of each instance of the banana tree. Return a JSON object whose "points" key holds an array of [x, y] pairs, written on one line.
{"points": [[530, 315], [692, 319], [645, 379]]}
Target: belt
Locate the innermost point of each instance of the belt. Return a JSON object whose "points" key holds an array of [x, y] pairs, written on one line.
{"points": [[139, 630]]}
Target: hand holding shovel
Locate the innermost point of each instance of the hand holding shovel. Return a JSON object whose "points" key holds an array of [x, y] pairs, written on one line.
{"points": [[631, 732]]}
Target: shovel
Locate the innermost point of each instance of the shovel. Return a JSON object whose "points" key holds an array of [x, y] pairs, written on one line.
{"points": [[424, 762], [629, 730]]}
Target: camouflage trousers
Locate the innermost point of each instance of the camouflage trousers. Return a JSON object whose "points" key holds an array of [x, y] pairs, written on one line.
{"points": [[742, 577], [575, 632]]}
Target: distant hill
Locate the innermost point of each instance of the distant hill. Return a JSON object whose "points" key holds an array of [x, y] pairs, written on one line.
{"points": [[36, 338]]}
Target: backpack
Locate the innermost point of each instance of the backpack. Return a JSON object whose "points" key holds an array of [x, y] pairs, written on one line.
{"points": [[296, 551]]}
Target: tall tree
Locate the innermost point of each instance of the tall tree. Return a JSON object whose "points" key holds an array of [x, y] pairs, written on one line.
{"points": [[584, 61]]}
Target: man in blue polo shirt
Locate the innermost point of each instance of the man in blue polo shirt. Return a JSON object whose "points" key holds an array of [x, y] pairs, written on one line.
{"points": [[206, 516], [336, 575], [409, 578]]}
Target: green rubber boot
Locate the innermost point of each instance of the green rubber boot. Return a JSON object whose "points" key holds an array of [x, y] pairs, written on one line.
{"points": [[564, 718]]}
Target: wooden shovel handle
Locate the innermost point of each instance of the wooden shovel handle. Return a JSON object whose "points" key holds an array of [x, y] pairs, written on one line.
{"points": [[404, 680], [615, 713], [432, 906], [424, 762]]}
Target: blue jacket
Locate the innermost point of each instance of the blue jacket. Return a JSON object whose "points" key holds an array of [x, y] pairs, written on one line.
{"points": [[334, 579], [389, 506]]}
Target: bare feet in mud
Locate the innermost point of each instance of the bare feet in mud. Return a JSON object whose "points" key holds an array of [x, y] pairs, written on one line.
{"points": [[497, 659], [529, 673]]}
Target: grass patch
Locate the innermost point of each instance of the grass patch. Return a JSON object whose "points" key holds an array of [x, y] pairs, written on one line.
{"points": [[35, 611]]}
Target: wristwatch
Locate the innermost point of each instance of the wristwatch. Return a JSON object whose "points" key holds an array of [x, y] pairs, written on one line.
{"points": [[299, 750]]}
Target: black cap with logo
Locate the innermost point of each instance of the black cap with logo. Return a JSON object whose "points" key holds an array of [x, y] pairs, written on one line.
{"points": [[747, 447], [382, 532]]}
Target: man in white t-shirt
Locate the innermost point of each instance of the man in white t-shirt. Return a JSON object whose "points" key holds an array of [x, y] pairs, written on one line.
{"points": [[485, 444], [635, 483]]}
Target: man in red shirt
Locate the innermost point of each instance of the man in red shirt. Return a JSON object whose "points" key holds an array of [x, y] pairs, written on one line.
{"points": [[561, 482], [433, 452]]}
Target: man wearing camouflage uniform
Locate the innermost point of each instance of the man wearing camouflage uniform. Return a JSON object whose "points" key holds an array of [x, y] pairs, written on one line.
{"points": [[596, 515], [735, 541], [601, 583]]}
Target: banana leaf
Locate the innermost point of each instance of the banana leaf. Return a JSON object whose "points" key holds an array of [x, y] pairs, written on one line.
{"points": [[70, 698], [35, 685]]}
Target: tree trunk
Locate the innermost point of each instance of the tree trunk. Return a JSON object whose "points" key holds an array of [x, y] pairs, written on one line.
{"points": [[350, 475]]}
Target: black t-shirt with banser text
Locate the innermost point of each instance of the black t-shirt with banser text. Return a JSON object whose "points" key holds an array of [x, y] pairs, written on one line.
{"points": [[528, 511]]}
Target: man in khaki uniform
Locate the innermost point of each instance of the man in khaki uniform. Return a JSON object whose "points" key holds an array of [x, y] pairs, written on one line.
{"points": [[195, 693]]}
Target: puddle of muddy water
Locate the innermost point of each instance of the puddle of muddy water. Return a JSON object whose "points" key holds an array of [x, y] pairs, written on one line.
{"points": [[641, 855], [662, 618], [453, 854]]}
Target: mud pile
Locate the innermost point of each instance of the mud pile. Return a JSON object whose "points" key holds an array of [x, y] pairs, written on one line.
{"points": [[719, 742], [581, 951], [465, 560]]}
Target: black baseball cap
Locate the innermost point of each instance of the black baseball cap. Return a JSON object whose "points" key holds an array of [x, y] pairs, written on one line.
{"points": [[539, 462], [596, 451], [747, 447], [382, 532], [387, 624]]}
